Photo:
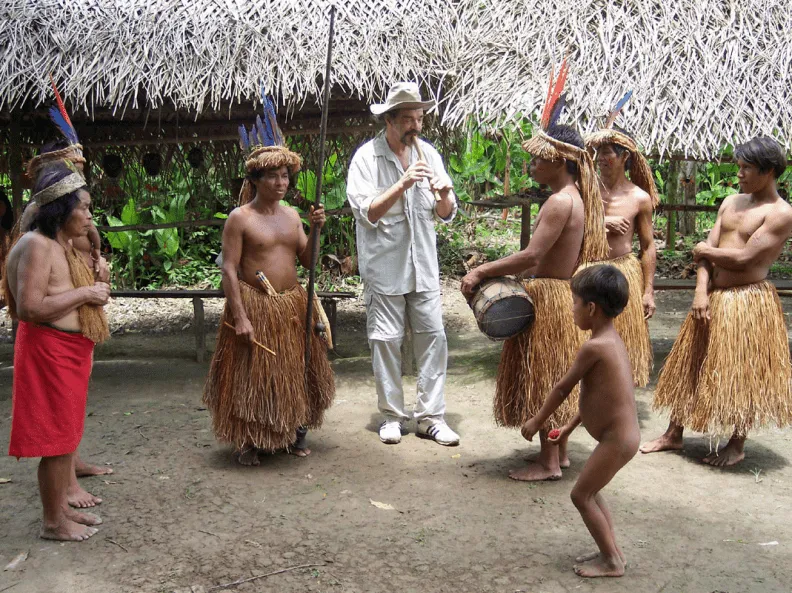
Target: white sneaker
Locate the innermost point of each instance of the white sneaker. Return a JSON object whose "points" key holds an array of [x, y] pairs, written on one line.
{"points": [[438, 431], [390, 432]]}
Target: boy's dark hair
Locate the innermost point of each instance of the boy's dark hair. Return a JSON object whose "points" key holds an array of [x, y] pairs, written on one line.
{"points": [[764, 153], [603, 285], [568, 135], [51, 217]]}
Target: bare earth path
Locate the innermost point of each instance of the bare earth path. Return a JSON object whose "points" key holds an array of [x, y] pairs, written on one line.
{"points": [[181, 516]]}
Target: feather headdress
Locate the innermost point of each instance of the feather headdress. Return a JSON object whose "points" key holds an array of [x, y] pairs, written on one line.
{"points": [[264, 147], [543, 145], [640, 171], [73, 152]]}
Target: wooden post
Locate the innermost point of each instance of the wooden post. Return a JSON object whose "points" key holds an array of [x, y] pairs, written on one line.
{"points": [[525, 219], [672, 193], [525, 226], [688, 172], [200, 331], [15, 165]]}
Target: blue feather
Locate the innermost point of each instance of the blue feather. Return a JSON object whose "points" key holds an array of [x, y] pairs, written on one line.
{"points": [[244, 141], [557, 109], [264, 133], [623, 100], [68, 131], [271, 120], [254, 139]]}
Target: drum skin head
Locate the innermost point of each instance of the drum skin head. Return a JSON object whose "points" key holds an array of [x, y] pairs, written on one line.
{"points": [[507, 318]]}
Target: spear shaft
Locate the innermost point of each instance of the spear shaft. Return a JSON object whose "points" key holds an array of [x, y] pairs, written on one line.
{"points": [[318, 197]]}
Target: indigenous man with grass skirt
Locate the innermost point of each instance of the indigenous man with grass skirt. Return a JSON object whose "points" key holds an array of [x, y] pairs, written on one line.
{"points": [[628, 205], [569, 231], [729, 370], [53, 294], [258, 393]]}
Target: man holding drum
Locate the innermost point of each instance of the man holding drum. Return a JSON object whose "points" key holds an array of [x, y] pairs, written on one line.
{"points": [[397, 195], [569, 230]]}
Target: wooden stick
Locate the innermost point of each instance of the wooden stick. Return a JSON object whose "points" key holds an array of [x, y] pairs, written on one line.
{"points": [[261, 576], [422, 158], [256, 342]]}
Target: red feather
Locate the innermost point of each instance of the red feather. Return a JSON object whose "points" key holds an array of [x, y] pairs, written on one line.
{"points": [[61, 106], [554, 92]]}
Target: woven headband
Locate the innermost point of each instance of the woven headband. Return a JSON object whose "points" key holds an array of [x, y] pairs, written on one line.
{"points": [[57, 190]]}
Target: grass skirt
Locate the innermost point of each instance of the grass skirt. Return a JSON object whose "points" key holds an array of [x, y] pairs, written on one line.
{"points": [[259, 399], [733, 373], [631, 324], [534, 361]]}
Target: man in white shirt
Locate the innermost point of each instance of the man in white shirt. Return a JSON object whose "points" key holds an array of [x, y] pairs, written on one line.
{"points": [[396, 199]]}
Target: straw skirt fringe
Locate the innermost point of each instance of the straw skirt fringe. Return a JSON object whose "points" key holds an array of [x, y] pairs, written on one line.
{"points": [[259, 399], [733, 373], [631, 324], [534, 361]]}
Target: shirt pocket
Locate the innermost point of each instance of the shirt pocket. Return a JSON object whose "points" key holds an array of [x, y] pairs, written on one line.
{"points": [[395, 213]]}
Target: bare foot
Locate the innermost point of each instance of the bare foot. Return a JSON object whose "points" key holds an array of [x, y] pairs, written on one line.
{"points": [[302, 452], [81, 499], [666, 442], [731, 454], [599, 567], [67, 531], [535, 472], [82, 518], [563, 463], [591, 555], [83, 469], [248, 455]]}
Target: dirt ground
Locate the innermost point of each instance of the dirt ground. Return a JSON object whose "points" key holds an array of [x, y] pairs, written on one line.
{"points": [[181, 516]]}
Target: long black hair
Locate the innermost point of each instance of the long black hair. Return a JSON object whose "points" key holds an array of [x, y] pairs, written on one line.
{"points": [[51, 217]]}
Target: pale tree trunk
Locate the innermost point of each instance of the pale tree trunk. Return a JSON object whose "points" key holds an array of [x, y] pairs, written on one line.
{"points": [[672, 197], [687, 180]]}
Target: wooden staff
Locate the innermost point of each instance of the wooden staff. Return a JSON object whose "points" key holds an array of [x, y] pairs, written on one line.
{"points": [[318, 198], [421, 158]]}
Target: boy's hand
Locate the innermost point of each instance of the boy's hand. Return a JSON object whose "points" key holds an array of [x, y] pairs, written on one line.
{"points": [[530, 428], [317, 217], [554, 437]]}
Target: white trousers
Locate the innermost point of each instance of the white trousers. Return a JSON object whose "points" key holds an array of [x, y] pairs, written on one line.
{"points": [[385, 321]]}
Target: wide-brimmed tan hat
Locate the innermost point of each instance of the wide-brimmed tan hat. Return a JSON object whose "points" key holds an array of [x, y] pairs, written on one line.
{"points": [[402, 95]]}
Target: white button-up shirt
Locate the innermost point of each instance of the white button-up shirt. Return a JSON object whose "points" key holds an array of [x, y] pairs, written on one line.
{"points": [[398, 253]]}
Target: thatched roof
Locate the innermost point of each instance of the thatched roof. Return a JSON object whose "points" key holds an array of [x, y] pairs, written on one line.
{"points": [[197, 54], [705, 74]]}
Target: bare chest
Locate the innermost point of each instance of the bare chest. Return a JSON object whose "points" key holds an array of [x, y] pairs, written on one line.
{"points": [[742, 223], [264, 233], [622, 206], [59, 279]]}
